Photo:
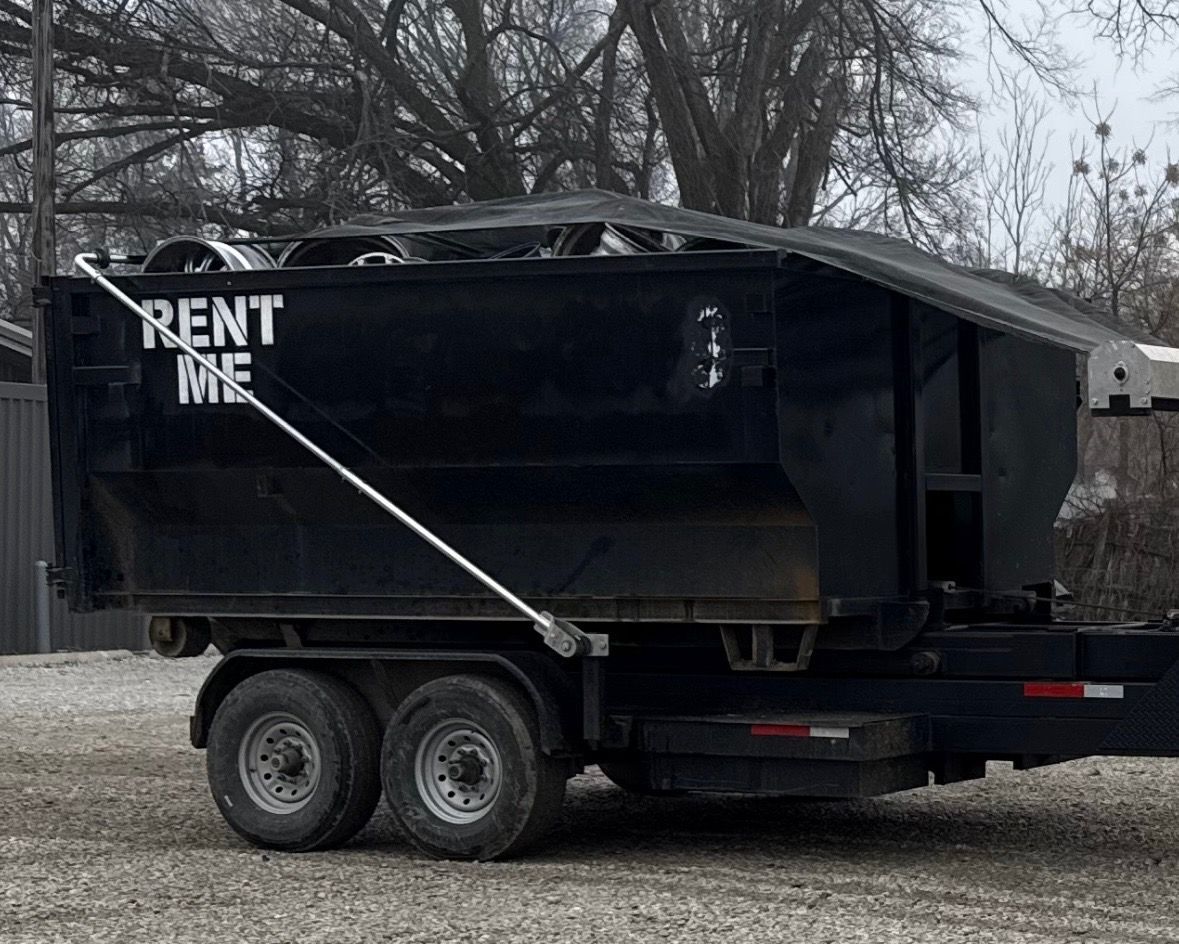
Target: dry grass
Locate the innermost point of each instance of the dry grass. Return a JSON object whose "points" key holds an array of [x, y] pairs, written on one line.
{"points": [[1119, 558]]}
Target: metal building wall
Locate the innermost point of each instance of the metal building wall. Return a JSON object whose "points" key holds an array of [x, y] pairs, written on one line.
{"points": [[26, 536]]}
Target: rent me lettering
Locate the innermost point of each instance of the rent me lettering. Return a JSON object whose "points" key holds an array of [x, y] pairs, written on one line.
{"points": [[224, 326]]}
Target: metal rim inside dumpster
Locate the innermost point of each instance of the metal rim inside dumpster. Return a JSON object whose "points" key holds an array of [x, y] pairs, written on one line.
{"points": [[346, 251], [611, 239], [194, 254], [458, 772], [279, 763], [377, 258]]}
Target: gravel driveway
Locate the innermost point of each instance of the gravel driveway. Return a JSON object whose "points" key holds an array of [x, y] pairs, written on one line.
{"points": [[107, 833]]}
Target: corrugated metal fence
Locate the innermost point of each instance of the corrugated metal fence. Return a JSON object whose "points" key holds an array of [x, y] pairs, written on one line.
{"points": [[26, 536]]}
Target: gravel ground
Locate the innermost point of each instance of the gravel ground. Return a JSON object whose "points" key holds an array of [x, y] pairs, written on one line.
{"points": [[107, 833]]}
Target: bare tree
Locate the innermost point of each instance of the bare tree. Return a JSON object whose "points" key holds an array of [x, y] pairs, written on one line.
{"points": [[758, 103], [296, 111], [353, 103], [1131, 25], [280, 115], [1117, 230], [1014, 179]]}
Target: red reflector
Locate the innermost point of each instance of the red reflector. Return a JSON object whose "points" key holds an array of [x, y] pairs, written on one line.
{"points": [[1054, 689], [780, 730]]}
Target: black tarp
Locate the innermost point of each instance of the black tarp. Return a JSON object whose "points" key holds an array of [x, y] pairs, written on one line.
{"points": [[993, 299]]}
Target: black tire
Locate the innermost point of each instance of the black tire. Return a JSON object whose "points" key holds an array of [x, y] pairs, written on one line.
{"points": [[630, 773], [175, 637], [345, 735], [531, 785]]}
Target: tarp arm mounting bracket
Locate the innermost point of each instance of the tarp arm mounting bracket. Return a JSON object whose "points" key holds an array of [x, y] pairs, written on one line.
{"points": [[559, 635]]}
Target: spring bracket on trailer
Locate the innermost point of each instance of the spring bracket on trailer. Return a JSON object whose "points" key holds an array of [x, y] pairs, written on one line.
{"points": [[559, 635]]}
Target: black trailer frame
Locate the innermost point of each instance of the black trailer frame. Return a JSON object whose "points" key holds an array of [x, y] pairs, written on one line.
{"points": [[956, 698]]}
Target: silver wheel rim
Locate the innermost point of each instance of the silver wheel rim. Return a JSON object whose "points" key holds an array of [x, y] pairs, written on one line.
{"points": [[376, 258], [279, 763], [458, 771], [193, 254]]}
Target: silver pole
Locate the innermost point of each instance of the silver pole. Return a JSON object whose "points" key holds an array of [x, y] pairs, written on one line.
{"points": [[545, 623], [41, 606]]}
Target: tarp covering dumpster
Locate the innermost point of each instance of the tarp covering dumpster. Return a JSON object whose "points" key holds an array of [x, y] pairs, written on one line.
{"points": [[992, 299]]}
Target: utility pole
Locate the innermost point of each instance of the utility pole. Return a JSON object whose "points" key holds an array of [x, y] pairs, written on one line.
{"points": [[44, 177]]}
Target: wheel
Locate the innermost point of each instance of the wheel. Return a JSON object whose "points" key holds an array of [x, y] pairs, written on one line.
{"points": [[175, 637], [464, 772], [630, 773], [293, 760]]}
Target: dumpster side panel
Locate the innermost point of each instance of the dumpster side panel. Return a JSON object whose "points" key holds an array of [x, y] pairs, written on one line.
{"points": [[592, 428]]}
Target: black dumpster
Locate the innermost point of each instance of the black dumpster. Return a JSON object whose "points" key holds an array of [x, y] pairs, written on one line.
{"points": [[759, 426]]}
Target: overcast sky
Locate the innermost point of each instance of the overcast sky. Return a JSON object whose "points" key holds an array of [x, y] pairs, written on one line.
{"points": [[1125, 87]]}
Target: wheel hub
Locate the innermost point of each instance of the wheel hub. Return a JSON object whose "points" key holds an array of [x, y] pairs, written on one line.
{"points": [[458, 771], [466, 768], [289, 760], [279, 763]]}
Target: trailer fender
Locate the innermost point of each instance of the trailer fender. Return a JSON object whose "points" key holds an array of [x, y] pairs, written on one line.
{"points": [[540, 681]]}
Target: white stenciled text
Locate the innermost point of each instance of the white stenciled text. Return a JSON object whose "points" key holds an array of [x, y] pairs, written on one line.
{"points": [[224, 327]]}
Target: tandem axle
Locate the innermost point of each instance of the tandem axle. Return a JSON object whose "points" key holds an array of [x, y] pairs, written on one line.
{"points": [[854, 726]]}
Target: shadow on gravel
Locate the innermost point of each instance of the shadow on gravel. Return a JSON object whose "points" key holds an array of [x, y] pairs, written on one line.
{"points": [[156, 799], [601, 821]]}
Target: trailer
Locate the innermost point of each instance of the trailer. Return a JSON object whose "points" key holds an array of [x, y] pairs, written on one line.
{"points": [[471, 497]]}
